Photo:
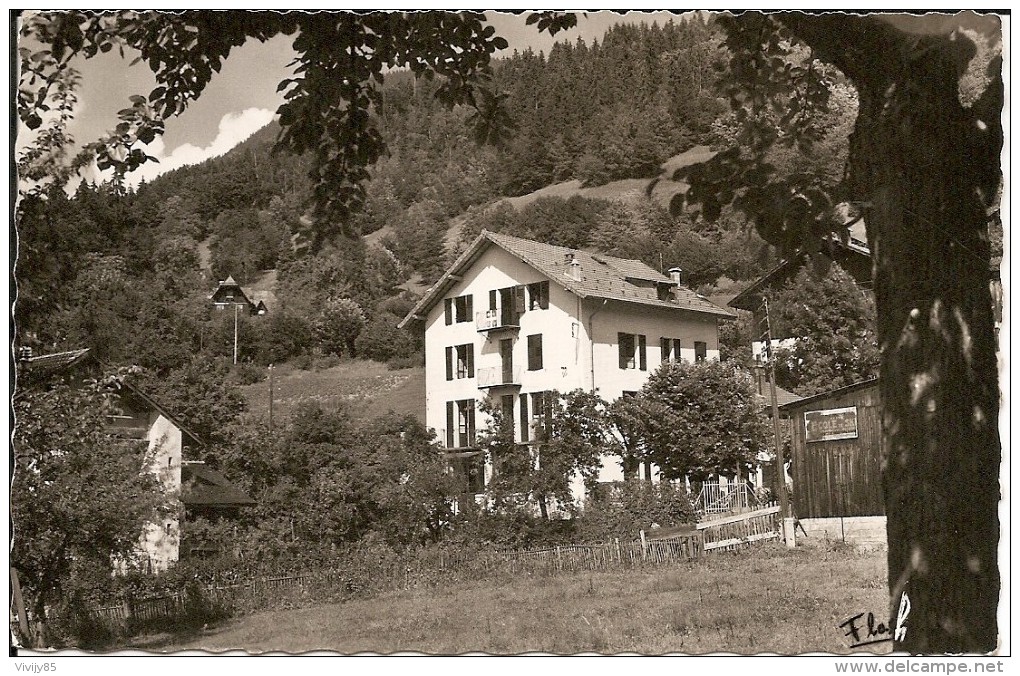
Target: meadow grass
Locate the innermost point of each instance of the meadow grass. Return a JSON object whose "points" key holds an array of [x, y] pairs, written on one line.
{"points": [[761, 600], [368, 388]]}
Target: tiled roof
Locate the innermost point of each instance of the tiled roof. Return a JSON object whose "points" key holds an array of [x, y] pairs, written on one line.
{"points": [[37, 371], [201, 485], [601, 276]]}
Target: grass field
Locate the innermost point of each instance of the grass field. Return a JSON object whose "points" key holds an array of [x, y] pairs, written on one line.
{"points": [[368, 387], [766, 599]]}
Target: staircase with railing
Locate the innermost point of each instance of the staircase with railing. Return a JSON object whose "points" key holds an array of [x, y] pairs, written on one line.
{"points": [[715, 498]]}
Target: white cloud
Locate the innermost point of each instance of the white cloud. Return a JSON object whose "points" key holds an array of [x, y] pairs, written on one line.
{"points": [[233, 129]]}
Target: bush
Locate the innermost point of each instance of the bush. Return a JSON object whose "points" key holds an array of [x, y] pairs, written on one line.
{"points": [[511, 530], [303, 362], [406, 362], [248, 373], [620, 510]]}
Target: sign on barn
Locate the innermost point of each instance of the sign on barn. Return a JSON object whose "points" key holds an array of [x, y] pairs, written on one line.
{"points": [[830, 424], [836, 452]]}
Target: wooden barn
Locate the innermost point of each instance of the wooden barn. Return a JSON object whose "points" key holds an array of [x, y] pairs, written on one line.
{"points": [[836, 441]]}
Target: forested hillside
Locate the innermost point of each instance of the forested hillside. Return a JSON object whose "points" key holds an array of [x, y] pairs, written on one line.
{"points": [[130, 274]]}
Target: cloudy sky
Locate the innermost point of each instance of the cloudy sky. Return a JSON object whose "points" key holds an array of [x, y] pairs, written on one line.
{"points": [[242, 98]]}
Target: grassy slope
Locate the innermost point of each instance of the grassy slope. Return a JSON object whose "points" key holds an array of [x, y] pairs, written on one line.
{"points": [[368, 387], [758, 600], [626, 190]]}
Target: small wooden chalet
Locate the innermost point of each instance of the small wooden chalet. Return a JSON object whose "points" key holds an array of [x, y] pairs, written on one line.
{"points": [[230, 294], [837, 448]]}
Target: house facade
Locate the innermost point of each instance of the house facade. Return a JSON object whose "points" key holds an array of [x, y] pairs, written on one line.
{"points": [[135, 416], [229, 294], [514, 320]]}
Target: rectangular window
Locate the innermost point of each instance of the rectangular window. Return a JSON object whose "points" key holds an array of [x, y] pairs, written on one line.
{"points": [[465, 361], [700, 350], [471, 470], [670, 349], [633, 351], [524, 417], [506, 403], [538, 296], [541, 414], [462, 309], [460, 416], [535, 352]]}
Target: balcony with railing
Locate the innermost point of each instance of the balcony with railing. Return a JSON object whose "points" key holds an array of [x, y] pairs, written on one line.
{"points": [[499, 376], [457, 440], [497, 320]]}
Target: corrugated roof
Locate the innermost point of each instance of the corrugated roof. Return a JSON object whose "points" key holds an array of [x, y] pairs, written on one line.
{"points": [[831, 393], [602, 276], [201, 485]]}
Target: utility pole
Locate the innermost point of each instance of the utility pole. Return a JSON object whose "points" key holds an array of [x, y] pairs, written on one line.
{"points": [[236, 307], [766, 353], [270, 397]]}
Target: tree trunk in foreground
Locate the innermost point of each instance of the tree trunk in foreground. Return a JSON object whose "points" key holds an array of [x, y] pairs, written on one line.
{"points": [[920, 163]]}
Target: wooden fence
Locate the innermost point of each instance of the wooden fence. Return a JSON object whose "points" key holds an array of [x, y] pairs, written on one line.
{"points": [[732, 531], [430, 568]]}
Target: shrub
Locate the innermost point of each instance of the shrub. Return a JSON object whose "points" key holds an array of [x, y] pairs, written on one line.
{"points": [[248, 373], [622, 509], [406, 362]]}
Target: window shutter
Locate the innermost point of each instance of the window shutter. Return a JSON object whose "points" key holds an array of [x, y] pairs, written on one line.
{"points": [[492, 299], [449, 310], [507, 402], [449, 424], [642, 354], [664, 344], [469, 308], [471, 360], [519, 300], [524, 417], [543, 299], [547, 413], [449, 363], [470, 403], [535, 352], [624, 342]]}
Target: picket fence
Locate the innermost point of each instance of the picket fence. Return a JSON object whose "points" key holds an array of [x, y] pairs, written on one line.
{"points": [[427, 568]]}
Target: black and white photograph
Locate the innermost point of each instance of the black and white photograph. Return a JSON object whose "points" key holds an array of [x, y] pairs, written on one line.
{"points": [[510, 332]]}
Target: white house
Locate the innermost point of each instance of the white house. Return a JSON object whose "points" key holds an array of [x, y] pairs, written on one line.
{"points": [[513, 319], [196, 490]]}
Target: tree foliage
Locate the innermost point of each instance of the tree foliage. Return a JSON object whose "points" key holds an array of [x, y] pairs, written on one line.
{"points": [[924, 171], [329, 117], [569, 442], [833, 323], [327, 479], [708, 420], [79, 498]]}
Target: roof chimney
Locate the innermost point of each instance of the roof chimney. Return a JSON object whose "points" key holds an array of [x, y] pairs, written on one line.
{"points": [[677, 275], [573, 267]]}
